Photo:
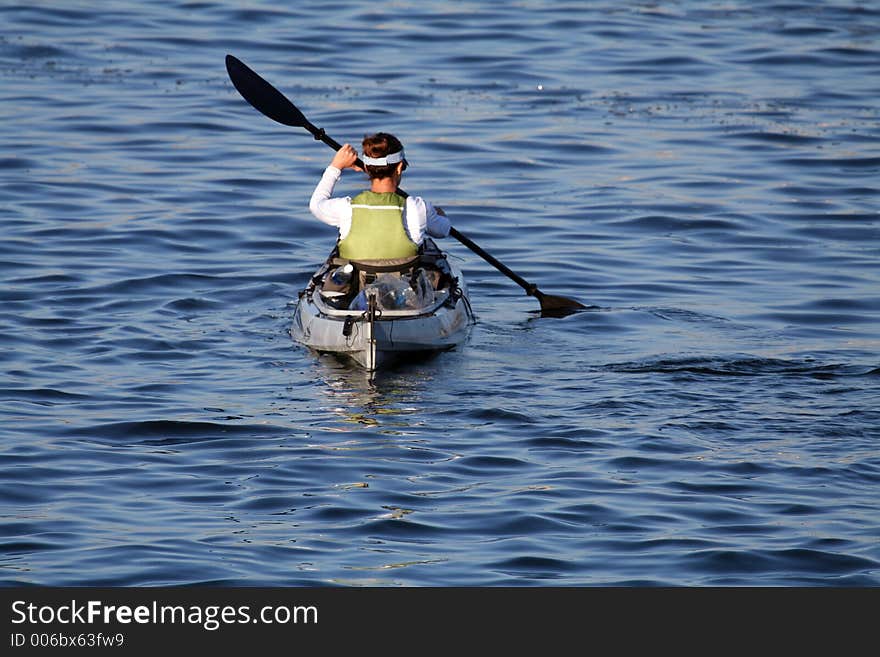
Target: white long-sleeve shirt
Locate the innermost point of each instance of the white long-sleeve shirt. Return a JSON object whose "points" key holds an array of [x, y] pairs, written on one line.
{"points": [[419, 216]]}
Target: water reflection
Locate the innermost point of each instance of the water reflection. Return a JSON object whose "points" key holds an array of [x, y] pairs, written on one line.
{"points": [[389, 400]]}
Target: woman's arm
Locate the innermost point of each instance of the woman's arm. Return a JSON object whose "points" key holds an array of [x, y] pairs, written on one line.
{"points": [[334, 211], [437, 224]]}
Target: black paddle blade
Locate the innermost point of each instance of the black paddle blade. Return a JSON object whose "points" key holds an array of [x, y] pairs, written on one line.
{"points": [[262, 95], [554, 306]]}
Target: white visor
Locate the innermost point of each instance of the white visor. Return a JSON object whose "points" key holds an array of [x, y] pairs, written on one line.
{"points": [[391, 158]]}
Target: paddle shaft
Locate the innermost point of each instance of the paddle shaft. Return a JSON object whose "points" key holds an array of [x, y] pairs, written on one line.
{"points": [[530, 288]]}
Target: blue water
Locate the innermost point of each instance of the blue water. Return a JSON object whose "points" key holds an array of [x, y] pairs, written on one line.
{"points": [[703, 175]]}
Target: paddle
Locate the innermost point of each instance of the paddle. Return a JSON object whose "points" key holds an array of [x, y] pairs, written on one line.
{"points": [[271, 102]]}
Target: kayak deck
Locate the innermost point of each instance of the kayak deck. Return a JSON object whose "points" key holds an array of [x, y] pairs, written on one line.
{"points": [[376, 337]]}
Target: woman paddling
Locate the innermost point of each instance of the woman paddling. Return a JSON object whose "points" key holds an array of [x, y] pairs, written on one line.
{"points": [[379, 223], [386, 293]]}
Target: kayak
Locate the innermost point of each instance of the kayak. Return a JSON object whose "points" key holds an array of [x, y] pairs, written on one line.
{"points": [[379, 314]]}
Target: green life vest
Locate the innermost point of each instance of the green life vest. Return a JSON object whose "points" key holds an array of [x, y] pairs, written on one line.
{"points": [[377, 231]]}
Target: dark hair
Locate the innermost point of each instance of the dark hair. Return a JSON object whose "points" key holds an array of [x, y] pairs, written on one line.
{"points": [[380, 145]]}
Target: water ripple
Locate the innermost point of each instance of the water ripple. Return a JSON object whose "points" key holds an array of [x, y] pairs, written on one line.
{"points": [[702, 177]]}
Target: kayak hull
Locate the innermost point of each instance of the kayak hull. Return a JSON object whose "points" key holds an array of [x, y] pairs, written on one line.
{"points": [[378, 338]]}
